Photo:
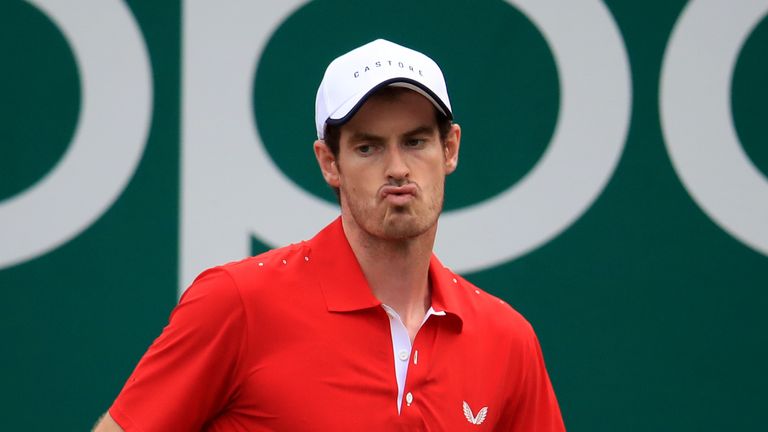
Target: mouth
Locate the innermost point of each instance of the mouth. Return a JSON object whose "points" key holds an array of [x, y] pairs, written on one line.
{"points": [[399, 195]]}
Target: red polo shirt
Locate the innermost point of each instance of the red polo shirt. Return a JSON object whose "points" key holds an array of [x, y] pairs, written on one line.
{"points": [[294, 340]]}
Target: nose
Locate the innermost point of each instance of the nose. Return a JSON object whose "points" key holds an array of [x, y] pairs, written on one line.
{"points": [[397, 168]]}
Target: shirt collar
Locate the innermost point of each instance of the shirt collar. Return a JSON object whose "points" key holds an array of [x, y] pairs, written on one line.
{"points": [[341, 279], [445, 291], [344, 285]]}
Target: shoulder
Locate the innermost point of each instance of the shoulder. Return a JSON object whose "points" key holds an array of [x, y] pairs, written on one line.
{"points": [[491, 315], [252, 275]]}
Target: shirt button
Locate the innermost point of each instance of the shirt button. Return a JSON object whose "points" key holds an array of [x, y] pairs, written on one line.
{"points": [[409, 398], [403, 355]]}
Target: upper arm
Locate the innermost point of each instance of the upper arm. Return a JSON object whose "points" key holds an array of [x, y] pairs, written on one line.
{"points": [[188, 374]]}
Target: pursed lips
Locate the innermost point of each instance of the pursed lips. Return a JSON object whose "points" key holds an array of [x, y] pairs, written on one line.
{"points": [[398, 194]]}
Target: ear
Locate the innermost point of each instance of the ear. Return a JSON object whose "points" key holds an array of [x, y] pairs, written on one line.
{"points": [[327, 163], [451, 148]]}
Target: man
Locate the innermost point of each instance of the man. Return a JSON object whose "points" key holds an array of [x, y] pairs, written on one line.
{"points": [[360, 328]]}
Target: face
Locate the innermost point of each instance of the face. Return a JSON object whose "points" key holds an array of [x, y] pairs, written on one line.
{"points": [[391, 166]]}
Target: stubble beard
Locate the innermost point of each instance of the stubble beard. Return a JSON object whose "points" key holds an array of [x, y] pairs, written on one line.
{"points": [[396, 223]]}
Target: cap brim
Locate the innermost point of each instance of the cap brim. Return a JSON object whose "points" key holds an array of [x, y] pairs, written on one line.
{"points": [[349, 108]]}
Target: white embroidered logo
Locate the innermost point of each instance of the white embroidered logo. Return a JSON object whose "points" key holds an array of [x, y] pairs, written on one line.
{"points": [[475, 419]]}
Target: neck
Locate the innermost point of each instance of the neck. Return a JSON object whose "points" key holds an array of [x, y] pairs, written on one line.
{"points": [[397, 270]]}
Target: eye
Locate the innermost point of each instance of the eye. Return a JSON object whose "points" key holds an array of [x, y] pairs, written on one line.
{"points": [[415, 142], [364, 149]]}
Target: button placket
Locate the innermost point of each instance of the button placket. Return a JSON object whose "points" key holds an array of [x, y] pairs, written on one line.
{"points": [[418, 371], [410, 377], [401, 349]]}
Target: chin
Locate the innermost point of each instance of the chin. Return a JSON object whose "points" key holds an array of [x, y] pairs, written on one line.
{"points": [[393, 223], [405, 228]]}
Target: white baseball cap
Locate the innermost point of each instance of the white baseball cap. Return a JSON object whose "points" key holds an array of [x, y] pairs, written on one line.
{"points": [[356, 75]]}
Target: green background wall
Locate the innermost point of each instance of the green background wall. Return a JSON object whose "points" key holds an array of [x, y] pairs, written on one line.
{"points": [[651, 316]]}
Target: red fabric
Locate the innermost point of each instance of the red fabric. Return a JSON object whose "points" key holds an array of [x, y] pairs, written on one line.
{"points": [[294, 340]]}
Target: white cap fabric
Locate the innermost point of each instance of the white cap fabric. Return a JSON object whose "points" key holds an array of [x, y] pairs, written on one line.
{"points": [[353, 77]]}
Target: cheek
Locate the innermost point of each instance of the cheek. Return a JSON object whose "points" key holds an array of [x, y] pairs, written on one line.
{"points": [[437, 186], [439, 189], [353, 185], [357, 177]]}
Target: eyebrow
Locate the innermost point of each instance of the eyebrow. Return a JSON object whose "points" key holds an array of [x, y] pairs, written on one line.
{"points": [[365, 136], [421, 130]]}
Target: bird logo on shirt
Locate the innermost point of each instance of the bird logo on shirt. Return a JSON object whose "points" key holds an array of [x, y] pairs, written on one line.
{"points": [[475, 419]]}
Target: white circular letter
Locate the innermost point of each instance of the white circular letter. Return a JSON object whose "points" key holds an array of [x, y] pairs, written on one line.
{"points": [[589, 138], [109, 140], [696, 117]]}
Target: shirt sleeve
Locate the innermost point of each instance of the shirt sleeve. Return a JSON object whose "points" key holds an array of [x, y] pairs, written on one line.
{"points": [[187, 375], [534, 406]]}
